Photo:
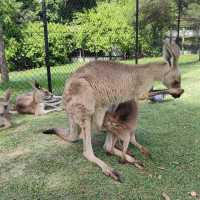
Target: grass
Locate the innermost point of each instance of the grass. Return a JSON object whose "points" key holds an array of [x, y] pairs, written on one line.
{"points": [[20, 81], [36, 166]]}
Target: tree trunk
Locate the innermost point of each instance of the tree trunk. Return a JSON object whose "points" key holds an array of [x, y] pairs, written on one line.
{"points": [[3, 66], [198, 40], [110, 55], [83, 54]]}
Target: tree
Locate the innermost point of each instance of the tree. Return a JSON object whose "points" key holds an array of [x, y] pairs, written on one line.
{"points": [[8, 14], [104, 29], [13, 16], [193, 11], [157, 17], [61, 11], [3, 65]]}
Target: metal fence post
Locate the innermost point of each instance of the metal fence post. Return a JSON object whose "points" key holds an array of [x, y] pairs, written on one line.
{"points": [[179, 21], [199, 40], [44, 18], [137, 31]]}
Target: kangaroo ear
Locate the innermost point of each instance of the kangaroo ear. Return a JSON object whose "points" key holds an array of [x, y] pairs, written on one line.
{"points": [[175, 50], [171, 53], [37, 85], [7, 94], [167, 54]]}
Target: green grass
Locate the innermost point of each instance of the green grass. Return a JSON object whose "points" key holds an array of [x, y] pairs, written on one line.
{"points": [[20, 81], [36, 166]]}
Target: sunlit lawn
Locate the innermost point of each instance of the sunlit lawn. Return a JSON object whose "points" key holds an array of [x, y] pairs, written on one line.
{"points": [[37, 166]]}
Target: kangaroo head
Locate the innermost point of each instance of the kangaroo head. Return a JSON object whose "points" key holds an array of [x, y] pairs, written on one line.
{"points": [[39, 91], [172, 78], [5, 102]]}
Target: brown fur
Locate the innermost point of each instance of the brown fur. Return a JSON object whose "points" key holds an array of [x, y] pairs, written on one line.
{"points": [[121, 123], [33, 102], [5, 118], [103, 84]]}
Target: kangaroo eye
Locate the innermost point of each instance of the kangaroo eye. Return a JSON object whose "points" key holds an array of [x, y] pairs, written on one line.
{"points": [[176, 84]]}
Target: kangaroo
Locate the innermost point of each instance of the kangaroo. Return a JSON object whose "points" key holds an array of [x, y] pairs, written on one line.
{"points": [[121, 124], [35, 102], [5, 120], [98, 85]]}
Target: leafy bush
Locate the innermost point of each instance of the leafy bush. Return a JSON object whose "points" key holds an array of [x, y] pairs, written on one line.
{"points": [[29, 52], [103, 29]]}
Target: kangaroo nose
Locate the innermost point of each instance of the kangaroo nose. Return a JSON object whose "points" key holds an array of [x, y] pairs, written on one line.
{"points": [[177, 95], [5, 107]]}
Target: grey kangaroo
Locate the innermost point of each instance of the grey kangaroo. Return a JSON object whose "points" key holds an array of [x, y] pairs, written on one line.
{"points": [[97, 85]]}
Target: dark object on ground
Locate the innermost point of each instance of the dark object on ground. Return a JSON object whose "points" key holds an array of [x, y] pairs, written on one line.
{"points": [[159, 95]]}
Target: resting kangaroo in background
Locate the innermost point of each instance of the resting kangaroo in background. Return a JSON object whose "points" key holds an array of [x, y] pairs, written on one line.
{"points": [[97, 85], [33, 102], [5, 120]]}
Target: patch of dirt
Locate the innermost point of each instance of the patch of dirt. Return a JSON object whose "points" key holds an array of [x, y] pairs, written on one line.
{"points": [[61, 141], [17, 152], [13, 154]]}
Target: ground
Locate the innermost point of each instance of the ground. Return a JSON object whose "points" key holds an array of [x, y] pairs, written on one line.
{"points": [[36, 166]]}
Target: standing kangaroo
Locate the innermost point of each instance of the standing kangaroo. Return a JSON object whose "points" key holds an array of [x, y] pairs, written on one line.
{"points": [[97, 85]]}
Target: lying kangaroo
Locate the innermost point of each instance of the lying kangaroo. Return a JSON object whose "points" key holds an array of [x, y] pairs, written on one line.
{"points": [[35, 102], [5, 120], [97, 85]]}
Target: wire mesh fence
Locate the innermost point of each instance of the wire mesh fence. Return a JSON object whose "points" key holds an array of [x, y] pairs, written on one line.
{"points": [[93, 36], [30, 65]]}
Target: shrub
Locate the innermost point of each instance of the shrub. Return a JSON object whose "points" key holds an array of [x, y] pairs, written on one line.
{"points": [[103, 29], [29, 52]]}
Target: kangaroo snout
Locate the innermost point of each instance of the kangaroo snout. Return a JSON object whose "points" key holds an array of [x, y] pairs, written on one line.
{"points": [[176, 93]]}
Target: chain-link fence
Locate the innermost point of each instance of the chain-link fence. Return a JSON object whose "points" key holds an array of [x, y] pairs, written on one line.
{"points": [[105, 32]]}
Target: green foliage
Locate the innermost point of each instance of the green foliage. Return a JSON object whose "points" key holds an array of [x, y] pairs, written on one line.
{"points": [[9, 17], [29, 52], [61, 43], [62, 11], [194, 10], [157, 17], [103, 29], [98, 26], [15, 13]]}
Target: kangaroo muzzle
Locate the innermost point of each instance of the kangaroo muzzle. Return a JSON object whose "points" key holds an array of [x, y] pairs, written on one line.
{"points": [[176, 93]]}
